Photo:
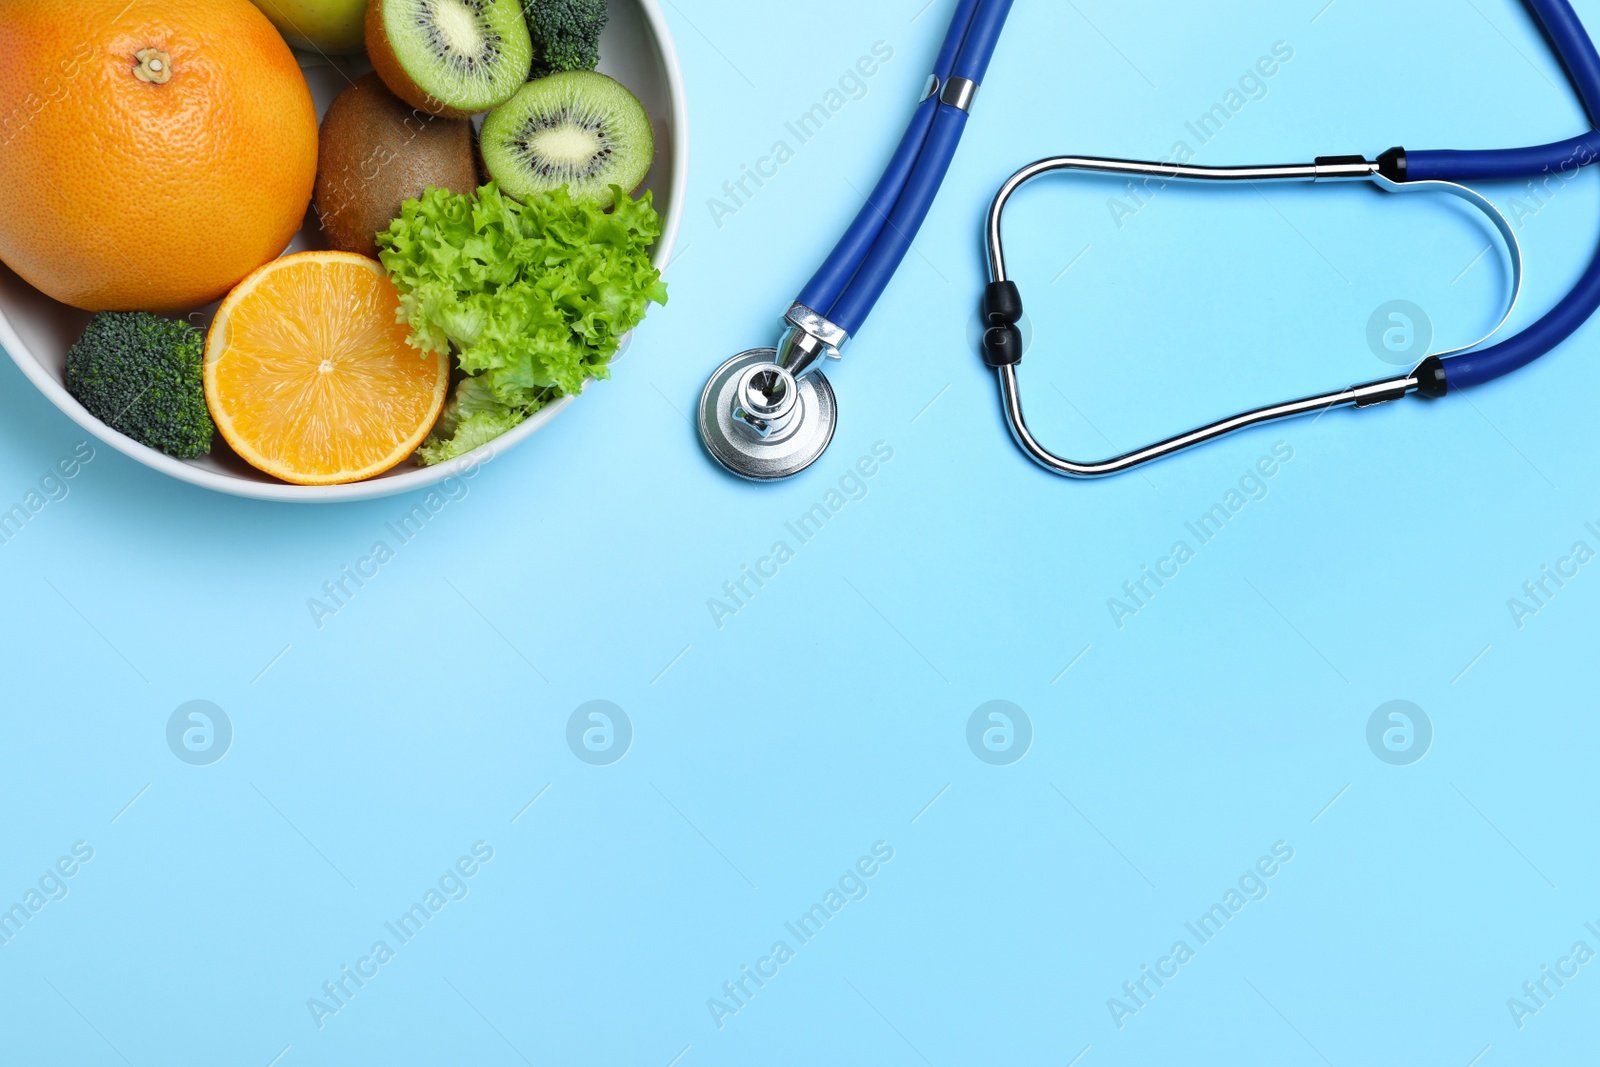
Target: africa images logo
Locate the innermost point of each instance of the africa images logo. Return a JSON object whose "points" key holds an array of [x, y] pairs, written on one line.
{"points": [[1400, 333], [1399, 733], [999, 733], [199, 733], [599, 733]]}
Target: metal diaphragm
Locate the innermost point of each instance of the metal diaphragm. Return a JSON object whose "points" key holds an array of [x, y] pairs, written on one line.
{"points": [[763, 424]]}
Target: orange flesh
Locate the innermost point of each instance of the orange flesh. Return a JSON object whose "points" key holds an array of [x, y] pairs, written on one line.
{"points": [[309, 376]]}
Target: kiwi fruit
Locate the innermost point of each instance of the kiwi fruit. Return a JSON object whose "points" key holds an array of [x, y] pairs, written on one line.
{"points": [[577, 128], [376, 152], [450, 57]]}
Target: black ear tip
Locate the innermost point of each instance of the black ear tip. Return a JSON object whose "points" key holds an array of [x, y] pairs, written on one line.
{"points": [[1002, 346], [1002, 304]]}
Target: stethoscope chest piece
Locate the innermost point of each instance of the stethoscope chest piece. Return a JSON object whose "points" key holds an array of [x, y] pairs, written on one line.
{"points": [[761, 422]]}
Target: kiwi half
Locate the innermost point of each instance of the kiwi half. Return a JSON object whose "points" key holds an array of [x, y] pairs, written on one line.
{"points": [[579, 129], [451, 58]]}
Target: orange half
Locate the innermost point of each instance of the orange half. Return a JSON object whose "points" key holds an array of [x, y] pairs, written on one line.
{"points": [[309, 376]]}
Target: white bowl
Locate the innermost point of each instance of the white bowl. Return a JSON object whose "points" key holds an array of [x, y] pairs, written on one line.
{"points": [[637, 50]]}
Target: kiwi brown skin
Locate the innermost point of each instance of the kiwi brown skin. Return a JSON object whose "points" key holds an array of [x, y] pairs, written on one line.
{"points": [[375, 152], [387, 64]]}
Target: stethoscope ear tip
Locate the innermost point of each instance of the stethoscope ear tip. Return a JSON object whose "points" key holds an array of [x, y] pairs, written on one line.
{"points": [[762, 423]]}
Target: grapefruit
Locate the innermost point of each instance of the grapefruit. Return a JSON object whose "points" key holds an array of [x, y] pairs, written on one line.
{"points": [[152, 153]]}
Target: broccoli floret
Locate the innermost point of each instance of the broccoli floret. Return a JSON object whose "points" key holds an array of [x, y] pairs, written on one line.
{"points": [[141, 374], [566, 34]]}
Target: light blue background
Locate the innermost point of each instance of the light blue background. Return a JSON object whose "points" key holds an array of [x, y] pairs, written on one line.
{"points": [[830, 712]]}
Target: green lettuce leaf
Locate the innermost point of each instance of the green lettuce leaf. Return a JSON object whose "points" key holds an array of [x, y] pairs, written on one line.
{"points": [[531, 299], [473, 417]]}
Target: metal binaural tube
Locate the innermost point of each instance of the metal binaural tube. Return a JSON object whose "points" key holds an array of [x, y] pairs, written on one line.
{"points": [[1371, 393], [1003, 308], [1341, 170]]}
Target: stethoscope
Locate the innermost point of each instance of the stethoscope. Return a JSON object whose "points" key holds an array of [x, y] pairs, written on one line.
{"points": [[770, 413]]}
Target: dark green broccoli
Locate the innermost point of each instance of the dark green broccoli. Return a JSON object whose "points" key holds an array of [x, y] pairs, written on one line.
{"points": [[566, 34], [141, 374]]}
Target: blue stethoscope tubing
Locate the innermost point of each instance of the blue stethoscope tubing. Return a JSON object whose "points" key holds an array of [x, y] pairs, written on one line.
{"points": [[1577, 52], [855, 275], [770, 413]]}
